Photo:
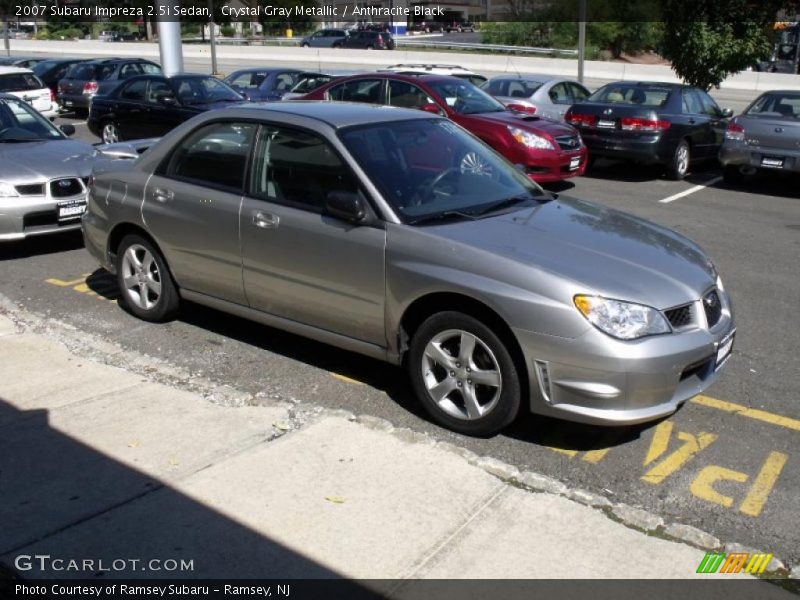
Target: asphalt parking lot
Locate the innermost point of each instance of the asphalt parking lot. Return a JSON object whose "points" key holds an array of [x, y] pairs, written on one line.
{"points": [[727, 462]]}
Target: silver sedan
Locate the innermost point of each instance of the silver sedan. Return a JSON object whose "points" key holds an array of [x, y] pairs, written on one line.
{"points": [[396, 234], [543, 95], [43, 174]]}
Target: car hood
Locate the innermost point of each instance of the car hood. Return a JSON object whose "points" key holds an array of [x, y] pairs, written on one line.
{"points": [[524, 121], [32, 162], [603, 251]]}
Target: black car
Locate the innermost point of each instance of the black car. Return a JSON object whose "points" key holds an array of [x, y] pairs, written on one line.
{"points": [[370, 40], [459, 25], [24, 62], [151, 105], [96, 77], [652, 123], [52, 70]]}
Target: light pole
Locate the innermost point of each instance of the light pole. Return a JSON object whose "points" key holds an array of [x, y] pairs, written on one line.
{"points": [[169, 41], [212, 26], [581, 37]]}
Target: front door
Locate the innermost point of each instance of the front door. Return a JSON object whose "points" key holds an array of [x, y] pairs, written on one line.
{"points": [[299, 263], [192, 208]]}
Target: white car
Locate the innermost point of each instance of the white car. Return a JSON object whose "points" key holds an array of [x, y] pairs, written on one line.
{"points": [[430, 69], [24, 84]]}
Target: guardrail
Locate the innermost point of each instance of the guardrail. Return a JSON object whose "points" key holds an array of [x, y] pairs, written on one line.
{"points": [[483, 47]]}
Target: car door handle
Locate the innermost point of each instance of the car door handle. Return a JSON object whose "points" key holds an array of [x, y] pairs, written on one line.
{"points": [[692, 121], [162, 195], [265, 220]]}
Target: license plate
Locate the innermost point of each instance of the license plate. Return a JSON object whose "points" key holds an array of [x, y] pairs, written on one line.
{"points": [[724, 349], [67, 102], [775, 163], [574, 163], [607, 124], [71, 210]]}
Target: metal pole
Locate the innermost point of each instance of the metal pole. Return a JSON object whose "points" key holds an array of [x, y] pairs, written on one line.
{"points": [[581, 37], [212, 37], [169, 41], [6, 43]]}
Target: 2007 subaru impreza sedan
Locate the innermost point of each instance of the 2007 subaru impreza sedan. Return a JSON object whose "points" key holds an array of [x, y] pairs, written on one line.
{"points": [[397, 234]]}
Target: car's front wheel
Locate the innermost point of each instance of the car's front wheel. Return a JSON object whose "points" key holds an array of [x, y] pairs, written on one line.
{"points": [[145, 283], [464, 374], [110, 133]]}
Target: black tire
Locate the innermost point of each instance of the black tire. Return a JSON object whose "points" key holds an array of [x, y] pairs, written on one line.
{"points": [[165, 306], [503, 405], [110, 122], [306, 45], [678, 167]]}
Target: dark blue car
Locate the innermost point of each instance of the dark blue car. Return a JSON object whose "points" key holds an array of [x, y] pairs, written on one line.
{"points": [[263, 84]]}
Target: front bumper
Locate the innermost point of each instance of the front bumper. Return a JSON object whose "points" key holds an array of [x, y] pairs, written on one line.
{"points": [[27, 216], [599, 380], [550, 166], [742, 155]]}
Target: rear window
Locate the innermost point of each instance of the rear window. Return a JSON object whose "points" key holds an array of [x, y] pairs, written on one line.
{"points": [[80, 71], [515, 88], [640, 95], [777, 105], [19, 82]]}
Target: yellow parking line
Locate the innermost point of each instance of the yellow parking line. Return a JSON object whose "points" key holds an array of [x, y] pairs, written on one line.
{"points": [[752, 413], [347, 379]]}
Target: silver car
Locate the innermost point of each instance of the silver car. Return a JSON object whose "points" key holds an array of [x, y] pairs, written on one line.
{"points": [[765, 137], [396, 234], [542, 95], [43, 174]]}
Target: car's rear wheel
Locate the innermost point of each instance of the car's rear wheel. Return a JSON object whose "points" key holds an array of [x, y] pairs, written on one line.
{"points": [[305, 45], [145, 283], [678, 167], [110, 133], [464, 374]]}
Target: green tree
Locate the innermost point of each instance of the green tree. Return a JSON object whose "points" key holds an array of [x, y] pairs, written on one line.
{"points": [[707, 40]]}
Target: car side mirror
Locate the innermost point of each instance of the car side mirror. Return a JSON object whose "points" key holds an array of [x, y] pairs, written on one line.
{"points": [[726, 113], [431, 108], [67, 129], [346, 206]]}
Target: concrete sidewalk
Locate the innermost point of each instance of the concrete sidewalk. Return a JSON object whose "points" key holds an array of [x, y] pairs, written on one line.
{"points": [[101, 463]]}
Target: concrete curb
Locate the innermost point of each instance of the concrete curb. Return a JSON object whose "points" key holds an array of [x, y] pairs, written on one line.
{"points": [[300, 414]]}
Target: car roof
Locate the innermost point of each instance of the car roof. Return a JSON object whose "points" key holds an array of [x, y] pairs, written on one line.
{"points": [[10, 70], [107, 61], [337, 114], [266, 70], [664, 84], [541, 78]]}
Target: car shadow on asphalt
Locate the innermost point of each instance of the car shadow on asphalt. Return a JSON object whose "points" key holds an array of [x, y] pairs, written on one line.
{"points": [[778, 185], [631, 172], [38, 246]]}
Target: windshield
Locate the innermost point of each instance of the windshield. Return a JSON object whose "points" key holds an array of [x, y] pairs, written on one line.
{"points": [[21, 123], [776, 105], [44, 66], [638, 95], [204, 90], [464, 98], [428, 168]]}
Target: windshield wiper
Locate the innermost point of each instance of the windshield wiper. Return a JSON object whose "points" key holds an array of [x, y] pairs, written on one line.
{"points": [[442, 216], [505, 203]]}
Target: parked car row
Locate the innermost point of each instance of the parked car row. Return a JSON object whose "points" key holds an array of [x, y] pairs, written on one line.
{"points": [[365, 39]]}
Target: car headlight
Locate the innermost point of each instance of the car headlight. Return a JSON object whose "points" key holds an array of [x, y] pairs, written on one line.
{"points": [[622, 320], [531, 140], [7, 190]]}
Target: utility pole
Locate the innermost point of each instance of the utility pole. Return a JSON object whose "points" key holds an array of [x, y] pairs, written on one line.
{"points": [[212, 35], [581, 37], [6, 43], [169, 41]]}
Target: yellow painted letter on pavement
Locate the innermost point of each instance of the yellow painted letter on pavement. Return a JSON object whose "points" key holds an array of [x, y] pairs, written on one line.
{"points": [[703, 484]]}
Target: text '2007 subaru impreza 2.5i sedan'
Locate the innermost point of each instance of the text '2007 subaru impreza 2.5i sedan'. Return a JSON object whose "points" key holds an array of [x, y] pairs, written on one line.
{"points": [[397, 234]]}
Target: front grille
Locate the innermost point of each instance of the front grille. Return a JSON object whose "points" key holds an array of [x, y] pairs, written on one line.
{"points": [[701, 369], [568, 142], [30, 189], [713, 307], [680, 316], [62, 188]]}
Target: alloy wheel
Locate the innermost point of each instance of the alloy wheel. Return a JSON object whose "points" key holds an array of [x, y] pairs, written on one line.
{"points": [[682, 159], [110, 133], [461, 374], [141, 277]]}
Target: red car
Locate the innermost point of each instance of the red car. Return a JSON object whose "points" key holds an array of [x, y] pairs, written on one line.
{"points": [[547, 150]]}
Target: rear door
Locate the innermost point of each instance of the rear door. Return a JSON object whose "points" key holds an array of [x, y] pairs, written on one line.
{"points": [[162, 117], [717, 124], [369, 90], [192, 204]]}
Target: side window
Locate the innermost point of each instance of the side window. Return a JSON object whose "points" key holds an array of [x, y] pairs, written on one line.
{"points": [[709, 106], [158, 89], [108, 70], [242, 80], [579, 93], [559, 94], [214, 155], [150, 69], [360, 90], [285, 81], [134, 91], [407, 95], [297, 168], [61, 72], [496, 88], [516, 89], [691, 103], [129, 70]]}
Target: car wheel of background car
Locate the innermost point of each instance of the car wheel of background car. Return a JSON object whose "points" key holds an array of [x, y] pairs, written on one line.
{"points": [[370, 48], [145, 283], [464, 374], [305, 45], [110, 133], [679, 165], [337, 45]]}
